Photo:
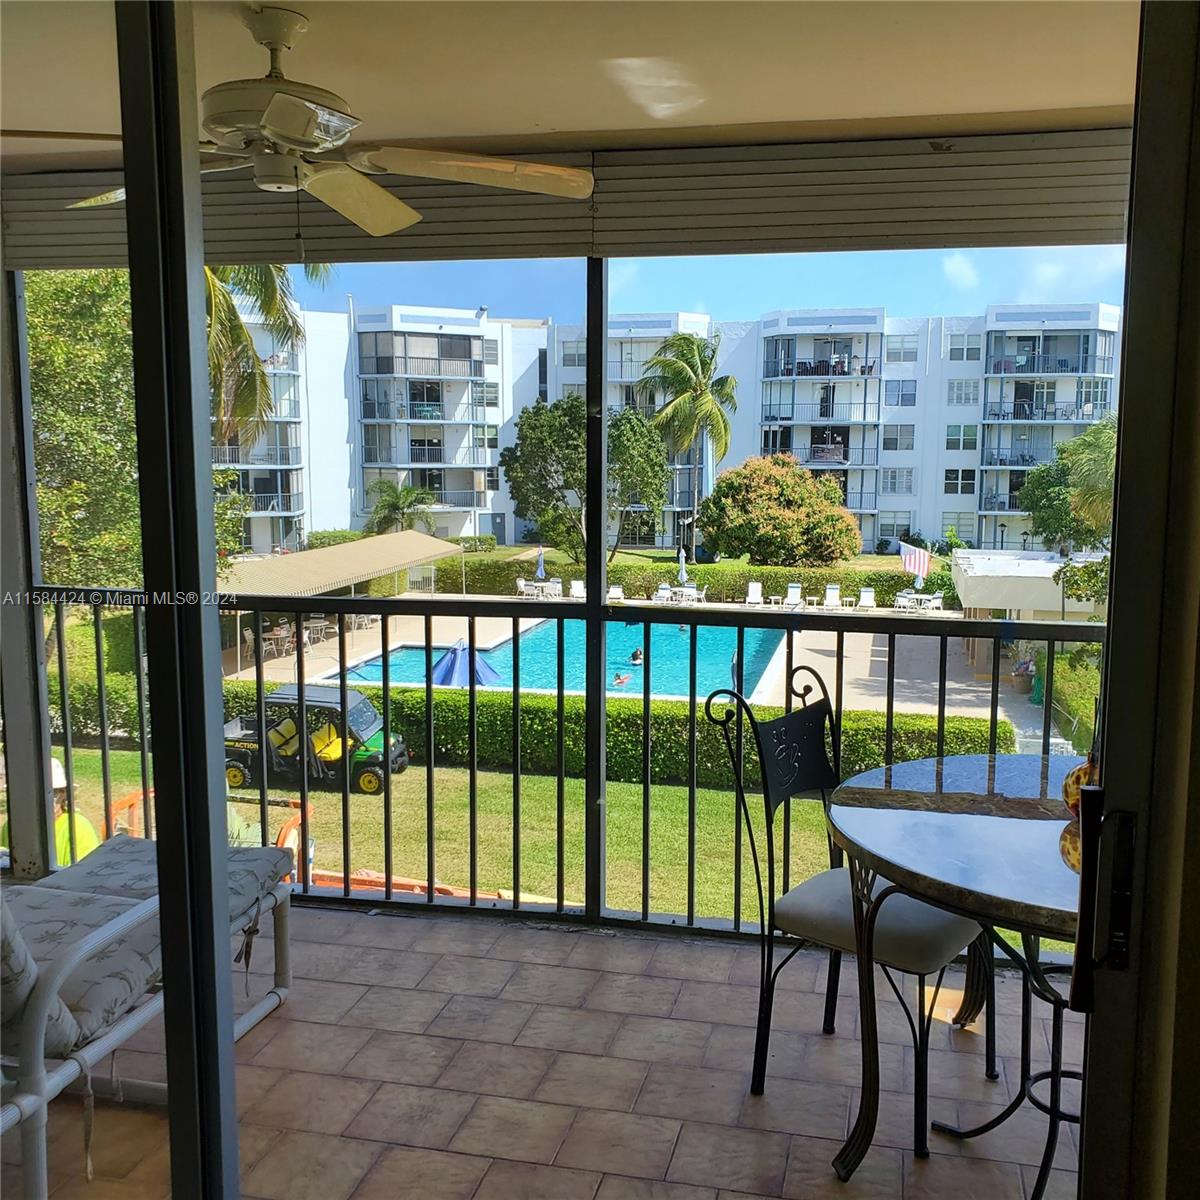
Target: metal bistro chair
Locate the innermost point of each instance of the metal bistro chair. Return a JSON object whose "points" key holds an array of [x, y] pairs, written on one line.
{"points": [[799, 753]]}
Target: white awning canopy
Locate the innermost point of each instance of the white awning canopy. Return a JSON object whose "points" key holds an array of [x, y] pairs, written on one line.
{"points": [[1013, 580]]}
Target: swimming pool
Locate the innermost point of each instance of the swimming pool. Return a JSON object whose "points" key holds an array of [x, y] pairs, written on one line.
{"points": [[539, 659]]}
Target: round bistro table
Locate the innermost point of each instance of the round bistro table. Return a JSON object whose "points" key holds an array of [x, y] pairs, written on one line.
{"points": [[977, 835]]}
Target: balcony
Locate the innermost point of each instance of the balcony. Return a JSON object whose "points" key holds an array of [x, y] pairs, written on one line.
{"points": [[840, 412], [462, 456], [996, 502], [1006, 457], [839, 367], [835, 456], [861, 501], [459, 499], [276, 502], [443, 413], [429, 368], [1050, 364], [1031, 412], [263, 456], [625, 372]]}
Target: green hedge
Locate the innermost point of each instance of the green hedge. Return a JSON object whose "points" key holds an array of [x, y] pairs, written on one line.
{"points": [[1076, 686], [915, 735], [120, 695], [478, 543], [80, 638], [497, 577], [320, 538]]}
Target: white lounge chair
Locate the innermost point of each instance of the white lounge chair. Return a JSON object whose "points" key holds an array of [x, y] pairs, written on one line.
{"points": [[554, 588], [795, 596], [866, 598], [578, 591], [754, 594], [615, 593], [663, 594], [833, 595], [523, 587], [934, 603], [906, 601], [82, 974]]}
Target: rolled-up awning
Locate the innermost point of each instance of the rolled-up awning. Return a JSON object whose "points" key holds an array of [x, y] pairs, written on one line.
{"points": [[320, 572]]}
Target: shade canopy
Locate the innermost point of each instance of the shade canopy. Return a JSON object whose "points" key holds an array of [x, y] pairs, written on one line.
{"points": [[320, 572], [1020, 581], [453, 669]]}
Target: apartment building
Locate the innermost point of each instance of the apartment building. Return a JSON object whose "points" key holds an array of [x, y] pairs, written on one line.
{"points": [[927, 423]]}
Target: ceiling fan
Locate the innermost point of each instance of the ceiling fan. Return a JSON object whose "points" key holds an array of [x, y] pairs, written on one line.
{"points": [[295, 137]]}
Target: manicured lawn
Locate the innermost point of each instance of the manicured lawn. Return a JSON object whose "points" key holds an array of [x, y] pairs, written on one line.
{"points": [[668, 837]]}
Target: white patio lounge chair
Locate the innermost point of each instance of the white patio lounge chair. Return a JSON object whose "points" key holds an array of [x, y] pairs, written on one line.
{"points": [[82, 974], [523, 587], [795, 596], [866, 598], [578, 591], [615, 593], [833, 596], [663, 594], [754, 594], [906, 601], [934, 602]]}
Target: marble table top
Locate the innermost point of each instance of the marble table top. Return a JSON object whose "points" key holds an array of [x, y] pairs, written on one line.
{"points": [[974, 833]]}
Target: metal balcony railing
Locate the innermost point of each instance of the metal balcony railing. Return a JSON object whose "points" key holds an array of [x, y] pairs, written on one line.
{"points": [[994, 502], [1007, 457], [460, 499], [276, 502], [842, 366], [263, 456], [430, 368], [1050, 364], [625, 372], [861, 501], [1030, 410], [835, 456], [833, 412], [553, 862], [461, 456]]}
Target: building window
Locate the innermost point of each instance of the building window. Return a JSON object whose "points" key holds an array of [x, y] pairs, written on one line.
{"points": [[896, 481], [425, 400], [961, 523], [541, 374], [377, 443], [900, 392], [574, 354], [491, 479], [777, 439], [959, 483], [485, 436], [898, 437], [380, 353], [895, 525], [965, 347], [962, 437], [962, 391], [901, 347], [1093, 392], [491, 351], [572, 389], [486, 394]]}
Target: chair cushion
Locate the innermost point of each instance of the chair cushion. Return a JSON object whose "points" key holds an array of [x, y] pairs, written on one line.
{"points": [[127, 866], [102, 988], [18, 969], [909, 935]]}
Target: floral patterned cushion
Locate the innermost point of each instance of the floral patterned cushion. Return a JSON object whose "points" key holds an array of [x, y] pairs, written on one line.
{"points": [[18, 971], [103, 987], [127, 866]]}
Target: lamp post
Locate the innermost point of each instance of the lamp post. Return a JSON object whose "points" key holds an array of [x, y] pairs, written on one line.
{"points": [[1003, 527]]}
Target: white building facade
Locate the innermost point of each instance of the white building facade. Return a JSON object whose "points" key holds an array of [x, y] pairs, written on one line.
{"points": [[927, 423]]}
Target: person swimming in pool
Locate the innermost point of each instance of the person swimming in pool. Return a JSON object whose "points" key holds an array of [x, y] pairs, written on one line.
{"points": [[636, 657], [620, 680]]}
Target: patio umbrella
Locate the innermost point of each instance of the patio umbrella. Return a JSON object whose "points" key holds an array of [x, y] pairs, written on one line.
{"points": [[683, 576], [540, 573], [453, 669]]}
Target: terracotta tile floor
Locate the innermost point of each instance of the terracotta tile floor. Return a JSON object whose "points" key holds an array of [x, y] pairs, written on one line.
{"points": [[445, 1058]]}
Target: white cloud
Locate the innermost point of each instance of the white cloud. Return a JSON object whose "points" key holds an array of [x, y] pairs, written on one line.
{"points": [[1070, 273], [960, 271]]}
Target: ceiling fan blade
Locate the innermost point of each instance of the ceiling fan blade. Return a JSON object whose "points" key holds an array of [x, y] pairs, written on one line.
{"points": [[543, 178], [304, 125], [58, 135], [116, 196], [359, 199]]}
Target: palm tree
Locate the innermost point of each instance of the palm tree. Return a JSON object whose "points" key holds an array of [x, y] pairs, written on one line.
{"points": [[241, 389], [398, 506], [1091, 460], [698, 401]]}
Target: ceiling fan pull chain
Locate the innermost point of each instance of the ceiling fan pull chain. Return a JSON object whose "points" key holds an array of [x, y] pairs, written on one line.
{"points": [[299, 235]]}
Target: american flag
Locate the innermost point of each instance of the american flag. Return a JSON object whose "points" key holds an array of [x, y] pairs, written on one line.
{"points": [[914, 560]]}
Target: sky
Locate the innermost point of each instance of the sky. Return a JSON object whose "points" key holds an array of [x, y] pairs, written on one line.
{"points": [[907, 283]]}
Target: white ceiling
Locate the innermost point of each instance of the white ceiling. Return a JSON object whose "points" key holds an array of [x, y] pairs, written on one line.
{"points": [[575, 75]]}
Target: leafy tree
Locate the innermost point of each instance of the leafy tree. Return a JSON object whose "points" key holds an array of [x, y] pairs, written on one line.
{"points": [[1086, 580], [241, 388], [399, 506], [698, 401], [637, 469], [1091, 460], [230, 510], [1048, 497], [546, 470], [779, 514]]}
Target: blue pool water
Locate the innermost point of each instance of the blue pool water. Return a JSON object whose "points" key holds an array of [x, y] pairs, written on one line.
{"points": [[539, 659]]}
